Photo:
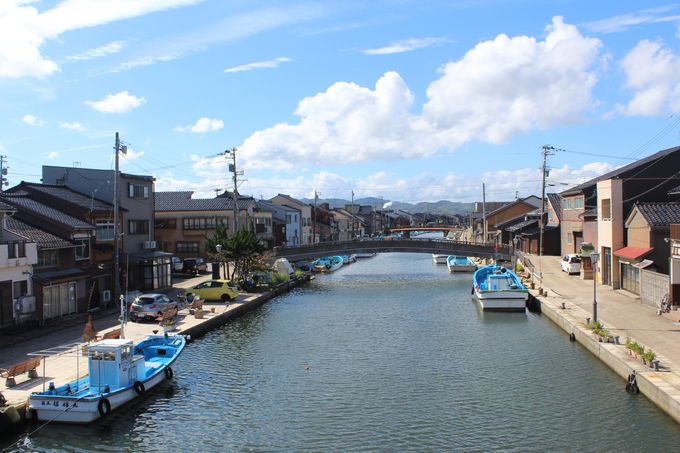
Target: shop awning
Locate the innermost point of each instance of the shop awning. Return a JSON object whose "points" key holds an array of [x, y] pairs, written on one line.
{"points": [[632, 253]]}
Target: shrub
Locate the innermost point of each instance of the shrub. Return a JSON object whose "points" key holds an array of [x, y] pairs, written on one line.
{"points": [[519, 267], [279, 277]]}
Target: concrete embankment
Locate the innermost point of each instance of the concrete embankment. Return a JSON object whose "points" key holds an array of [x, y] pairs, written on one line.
{"points": [[662, 386]]}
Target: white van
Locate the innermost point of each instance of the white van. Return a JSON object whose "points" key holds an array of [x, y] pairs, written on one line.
{"points": [[571, 263]]}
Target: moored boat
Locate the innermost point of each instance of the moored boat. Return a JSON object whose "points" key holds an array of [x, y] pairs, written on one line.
{"points": [[348, 259], [457, 263], [119, 371], [497, 288], [439, 259], [364, 255], [328, 264]]}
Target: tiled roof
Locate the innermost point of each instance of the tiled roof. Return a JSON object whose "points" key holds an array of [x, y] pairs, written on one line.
{"points": [[71, 196], [41, 210], [647, 161], [182, 201], [6, 207], [556, 201], [44, 239], [660, 214], [292, 200], [531, 200]]}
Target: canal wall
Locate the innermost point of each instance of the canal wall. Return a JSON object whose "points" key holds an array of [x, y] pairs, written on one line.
{"points": [[662, 386]]}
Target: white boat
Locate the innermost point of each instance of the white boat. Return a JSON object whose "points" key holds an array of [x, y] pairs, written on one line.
{"points": [[364, 255], [457, 263], [119, 371], [439, 259], [497, 288]]}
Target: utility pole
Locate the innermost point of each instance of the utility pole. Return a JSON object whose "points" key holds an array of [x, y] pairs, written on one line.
{"points": [[483, 213], [116, 229], [352, 214], [545, 171], [232, 169], [3, 173], [316, 197]]}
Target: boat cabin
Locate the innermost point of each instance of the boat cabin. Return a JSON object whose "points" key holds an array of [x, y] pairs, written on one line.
{"points": [[113, 365]]}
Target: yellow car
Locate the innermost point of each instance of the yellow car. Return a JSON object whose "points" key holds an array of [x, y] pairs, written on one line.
{"points": [[224, 290]]}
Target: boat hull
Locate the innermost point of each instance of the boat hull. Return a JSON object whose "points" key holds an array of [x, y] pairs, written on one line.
{"points": [[462, 268], [90, 404], [439, 259], [502, 300]]}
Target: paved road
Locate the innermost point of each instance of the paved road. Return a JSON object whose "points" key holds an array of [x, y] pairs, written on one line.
{"points": [[621, 313]]}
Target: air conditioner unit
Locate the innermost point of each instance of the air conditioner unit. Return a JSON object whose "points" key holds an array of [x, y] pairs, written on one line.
{"points": [[149, 245], [27, 304], [106, 295]]}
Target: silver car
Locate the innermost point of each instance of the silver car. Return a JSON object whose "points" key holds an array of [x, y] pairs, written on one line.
{"points": [[150, 306]]}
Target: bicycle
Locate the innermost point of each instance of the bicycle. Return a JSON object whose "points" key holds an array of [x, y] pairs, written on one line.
{"points": [[665, 306]]}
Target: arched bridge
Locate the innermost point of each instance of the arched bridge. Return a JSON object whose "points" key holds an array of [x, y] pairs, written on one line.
{"points": [[401, 245]]}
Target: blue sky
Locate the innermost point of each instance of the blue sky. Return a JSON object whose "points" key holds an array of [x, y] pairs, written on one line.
{"points": [[410, 100]]}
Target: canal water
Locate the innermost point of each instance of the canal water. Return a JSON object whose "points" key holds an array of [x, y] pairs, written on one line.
{"points": [[388, 354]]}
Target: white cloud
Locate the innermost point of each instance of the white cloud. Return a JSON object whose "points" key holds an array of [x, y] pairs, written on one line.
{"points": [[74, 126], [499, 89], [653, 73], [52, 155], [122, 102], [33, 120], [23, 29], [146, 61], [108, 49], [259, 65], [500, 185], [202, 126], [623, 22], [405, 45]]}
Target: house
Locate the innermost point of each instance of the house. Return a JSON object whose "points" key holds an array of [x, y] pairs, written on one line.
{"points": [[141, 266], [285, 220], [183, 223], [674, 242], [648, 232], [64, 272], [18, 255], [506, 212], [612, 197], [305, 227], [349, 225]]}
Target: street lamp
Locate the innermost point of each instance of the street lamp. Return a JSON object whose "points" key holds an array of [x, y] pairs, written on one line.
{"points": [[594, 258]]}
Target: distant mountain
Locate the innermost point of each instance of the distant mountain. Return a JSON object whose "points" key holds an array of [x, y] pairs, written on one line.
{"points": [[437, 207]]}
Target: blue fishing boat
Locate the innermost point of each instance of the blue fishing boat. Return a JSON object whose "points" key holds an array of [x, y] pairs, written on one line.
{"points": [[328, 264], [457, 263], [119, 371], [348, 259], [498, 288]]}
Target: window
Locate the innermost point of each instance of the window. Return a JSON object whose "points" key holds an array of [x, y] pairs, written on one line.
{"points": [[138, 226], [104, 230], [569, 238], [187, 247], [578, 203], [287, 218], [606, 209], [203, 223], [138, 191], [567, 203], [11, 250], [20, 288], [82, 248], [48, 258], [21, 249], [166, 224]]}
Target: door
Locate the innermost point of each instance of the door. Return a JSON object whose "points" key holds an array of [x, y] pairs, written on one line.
{"points": [[606, 266], [6, 303], [578, 240], [630, 278]]}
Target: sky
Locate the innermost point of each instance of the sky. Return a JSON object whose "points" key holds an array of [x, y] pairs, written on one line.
{"points": [[408, 100]]}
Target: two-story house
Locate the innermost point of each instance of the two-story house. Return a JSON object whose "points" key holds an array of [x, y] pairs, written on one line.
{"points": [[305, 226], [18, 254]]}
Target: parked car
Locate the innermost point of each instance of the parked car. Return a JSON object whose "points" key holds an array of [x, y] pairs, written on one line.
{"points": [[177, 264], [194, 266], [150, 306], [224, 290], [571, 263]]}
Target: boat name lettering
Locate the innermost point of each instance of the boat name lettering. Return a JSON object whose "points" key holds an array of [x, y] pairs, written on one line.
{"points": [[56, 404]]}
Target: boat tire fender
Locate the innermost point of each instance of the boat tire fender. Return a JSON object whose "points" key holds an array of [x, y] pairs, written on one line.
{"points": [[572, 337], [631, 386], [104, 407], [168, 373], [139, 388]]}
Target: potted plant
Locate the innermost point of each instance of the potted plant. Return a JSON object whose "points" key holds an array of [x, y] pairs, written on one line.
{"points": [[648, 356]]}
